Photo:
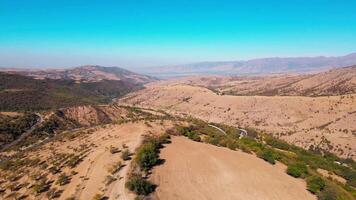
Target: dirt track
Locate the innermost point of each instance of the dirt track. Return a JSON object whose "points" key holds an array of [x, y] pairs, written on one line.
{"points": [[197, 171]]}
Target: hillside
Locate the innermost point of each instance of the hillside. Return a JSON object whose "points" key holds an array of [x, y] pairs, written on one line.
{"points": [[275, 65], [338, 81], [323, 123], [19, 92], [89, 73], [198, 171], [93, 152]]}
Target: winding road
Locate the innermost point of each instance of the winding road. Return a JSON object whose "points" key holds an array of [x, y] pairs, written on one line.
{"points": [[242, 133], [25, 134]]}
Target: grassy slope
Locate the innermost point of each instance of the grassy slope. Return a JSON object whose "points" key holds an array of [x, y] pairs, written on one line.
{"points": [[20, 93]]}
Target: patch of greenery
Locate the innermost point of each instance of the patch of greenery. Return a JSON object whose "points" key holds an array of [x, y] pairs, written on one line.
{"points": [[297, 170], [315, 184], [147, 156], [268, 155], [137, 184]]}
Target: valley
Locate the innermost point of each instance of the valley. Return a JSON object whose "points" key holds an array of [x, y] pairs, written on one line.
{"points": [[189, 138]]}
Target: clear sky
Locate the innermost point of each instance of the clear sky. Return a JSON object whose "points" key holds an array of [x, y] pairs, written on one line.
{"points": [[135, 33]]}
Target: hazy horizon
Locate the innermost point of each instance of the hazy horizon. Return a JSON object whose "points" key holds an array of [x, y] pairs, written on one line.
{"points": [[157, 33], [173, 64]]}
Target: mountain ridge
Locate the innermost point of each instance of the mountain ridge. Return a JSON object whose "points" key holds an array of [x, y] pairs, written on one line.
{"points": [[85, 73], [260, 66]]}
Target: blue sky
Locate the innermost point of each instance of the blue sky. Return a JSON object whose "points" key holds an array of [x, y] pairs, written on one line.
{"points": [[133, 33]]}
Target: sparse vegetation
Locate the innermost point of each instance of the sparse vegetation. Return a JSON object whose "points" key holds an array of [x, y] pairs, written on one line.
{"points": [[268, 155], [41, 186], [137, 184], [63, 179], [115, 167], [126, 155], [114, 150], [146, 157], [301, 163], [297, 170], [315, 184]]}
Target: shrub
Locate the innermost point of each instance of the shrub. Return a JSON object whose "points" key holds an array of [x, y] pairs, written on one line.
{"points": [[194, 136], [297, 170], [147, 156], [139, 185], [98, 197], [74, 161], [41, 186], [268, 155], [54, 170], [53, 193], [114, 150], [115, 167], [63, 180], [126, 155], [315, 184], [109, 179]]}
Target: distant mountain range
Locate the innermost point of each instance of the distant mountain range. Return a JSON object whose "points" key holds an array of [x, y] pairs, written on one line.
{"points": [[88, 73], [275, 65]]}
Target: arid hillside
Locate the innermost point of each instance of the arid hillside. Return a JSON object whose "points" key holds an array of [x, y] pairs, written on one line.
{"points": [[338, 81], [327, 123], [195, 171], [120, 152]]}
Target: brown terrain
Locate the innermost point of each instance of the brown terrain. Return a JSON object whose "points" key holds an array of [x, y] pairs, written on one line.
{"points": [[77, 152], [338, 81], [84, 155], [194, 171], [323, 122]]}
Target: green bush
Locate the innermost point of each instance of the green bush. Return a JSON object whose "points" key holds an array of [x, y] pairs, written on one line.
{"points": [[139, 185], [194, 136], [297, 170], [268, 155], [147, 156], [315, 184]]}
